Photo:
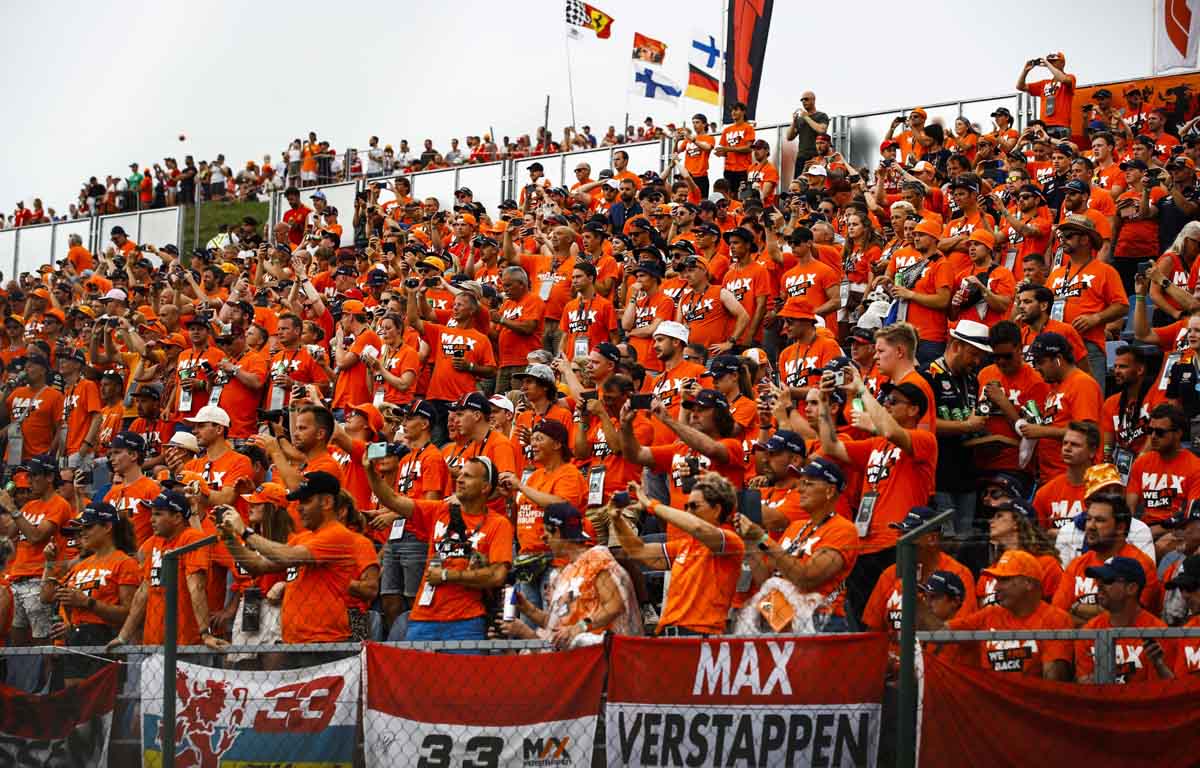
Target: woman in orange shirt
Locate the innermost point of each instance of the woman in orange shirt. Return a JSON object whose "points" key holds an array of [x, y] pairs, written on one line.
{"points": [[965, 140], [705, 563], [96, 592]]}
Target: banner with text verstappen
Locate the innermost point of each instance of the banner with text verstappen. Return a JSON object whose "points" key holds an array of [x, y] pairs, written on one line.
{"points": [[997, 718], [67, 729], [532, 711], [779, 701], [303, 717]]}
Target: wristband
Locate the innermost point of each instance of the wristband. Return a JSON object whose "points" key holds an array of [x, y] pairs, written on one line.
{"points": [[651, 506]]}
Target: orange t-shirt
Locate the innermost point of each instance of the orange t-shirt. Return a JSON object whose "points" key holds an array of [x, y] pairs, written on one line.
{"points": [[1078, 350], [515, 347], [81, 258], [444, 345], [1026, 386], [567, 483], [1076, 398], [706, 317], [404, 359], [647, 311], [800, 364], [931, 324], [1164, 485], [241, 402], [38, 414], [196, 561], [758, 174], [300, 366], [703, 582], [901, 479], [29, 558], [314, 600], [736, 136], [1132, 666], [747, 283], [1086, 290], [1058, 502], [490, 534], [618, 471], [695, 158], [1077, 586], [422, 472], [192, 365], [80, 403], [101, 578], [1020, 246], [806, 286], [134, 502], [668, 387], [591, 322], [1056, 100], [672, 458], [353, 385], [1187, 659], [549, 284], [111, 420], [803, 541], [1028, 657], [929, 420], [1000, 282], [1138, 238], [530, 418]]}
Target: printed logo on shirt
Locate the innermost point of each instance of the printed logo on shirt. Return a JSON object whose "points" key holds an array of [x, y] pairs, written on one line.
{"points": [[880, 463], [798, 285], [88, 579], [453, 342], [798, 372], [1010, 655], [1085, 590], [23, 406], [1161, 490], [580, 321], [1078, 284], [1063, 511]]}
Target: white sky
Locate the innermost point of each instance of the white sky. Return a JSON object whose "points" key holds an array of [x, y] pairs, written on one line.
{"points": [[92, 87]]}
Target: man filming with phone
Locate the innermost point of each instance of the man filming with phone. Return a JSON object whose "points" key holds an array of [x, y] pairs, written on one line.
{"points": [[1057, 93]]}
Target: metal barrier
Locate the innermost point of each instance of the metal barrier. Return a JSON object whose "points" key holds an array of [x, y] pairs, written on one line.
{"points": [[157, 225]]}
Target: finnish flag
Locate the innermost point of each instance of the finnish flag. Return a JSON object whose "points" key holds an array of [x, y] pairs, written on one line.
{"points": [[651, 83]]}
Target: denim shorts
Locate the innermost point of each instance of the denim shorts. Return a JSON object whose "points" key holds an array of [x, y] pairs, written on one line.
{"points": [[403, 565]]}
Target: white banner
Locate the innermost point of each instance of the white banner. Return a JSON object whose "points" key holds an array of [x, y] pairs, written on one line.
{"points": [[1176, 34], [396, 742], [225, 717]]}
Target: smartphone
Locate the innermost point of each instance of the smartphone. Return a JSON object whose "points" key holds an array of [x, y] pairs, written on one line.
{"points": [[389, 247], [620, 499], [640, 402], [589, 395], [1144, 267], [377, 451]]}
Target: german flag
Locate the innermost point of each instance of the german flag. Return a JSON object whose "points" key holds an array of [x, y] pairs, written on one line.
{"points": [[701, 85]]}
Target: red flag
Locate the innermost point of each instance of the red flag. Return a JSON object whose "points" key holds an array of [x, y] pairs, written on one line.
{"points": [[648, 49], [580, 14]]}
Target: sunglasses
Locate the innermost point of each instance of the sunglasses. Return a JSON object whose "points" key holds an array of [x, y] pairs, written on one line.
{"points": [[995, 493], [691, 506], [1159, 431]]}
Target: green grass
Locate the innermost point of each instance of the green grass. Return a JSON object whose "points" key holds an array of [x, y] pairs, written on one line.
{"points": [[212, 216]]}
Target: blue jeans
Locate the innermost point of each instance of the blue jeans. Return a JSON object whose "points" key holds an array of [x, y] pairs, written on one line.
{"points": [[834, 625], [464, 629], [928, 351]]}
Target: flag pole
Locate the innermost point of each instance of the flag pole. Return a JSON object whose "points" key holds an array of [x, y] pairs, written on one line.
{"points": [[570, 84], [721, 65], [1153, 36]]}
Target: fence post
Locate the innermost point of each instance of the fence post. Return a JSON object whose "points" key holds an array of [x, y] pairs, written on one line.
{"points": [[170, 578], [906, 568], [1105, 655]]}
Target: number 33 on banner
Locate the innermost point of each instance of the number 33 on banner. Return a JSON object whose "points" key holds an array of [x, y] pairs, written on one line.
{"points": [[437, 747]]}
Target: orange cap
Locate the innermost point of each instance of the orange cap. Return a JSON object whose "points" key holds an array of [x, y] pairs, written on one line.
{"points": [[58, 313], [1015, 562], [469, 218], [147, 312], [984, 236], [353, 307], [920, 111], [268, 493], [374, 417], [174, 340], [21, 480], [929, 227]]}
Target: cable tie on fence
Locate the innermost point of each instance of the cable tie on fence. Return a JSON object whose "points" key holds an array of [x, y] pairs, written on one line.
{"points": [[69, 649]]}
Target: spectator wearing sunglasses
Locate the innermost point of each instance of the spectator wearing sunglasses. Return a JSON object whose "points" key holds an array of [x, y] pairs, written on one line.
{"points": [[1165, 476]]}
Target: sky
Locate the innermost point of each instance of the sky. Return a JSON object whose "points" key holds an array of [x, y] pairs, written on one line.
{"points": [[96, 86]]}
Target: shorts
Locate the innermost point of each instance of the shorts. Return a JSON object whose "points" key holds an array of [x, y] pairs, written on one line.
{"points": [[403, 565], [76, 666], [28, 608], [308, 175]]}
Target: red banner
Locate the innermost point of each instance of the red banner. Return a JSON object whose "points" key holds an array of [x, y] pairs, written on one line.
{"points": [[976, 717], [428, 708], [70, 727], [771, 701], [748, 22]]}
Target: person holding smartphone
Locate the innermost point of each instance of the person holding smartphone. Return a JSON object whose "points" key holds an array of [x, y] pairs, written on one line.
{"points": [[1057, 93]]}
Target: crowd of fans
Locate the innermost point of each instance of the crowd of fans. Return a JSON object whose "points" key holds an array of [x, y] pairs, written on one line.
{"points": [[512, 423], [304, 163]]}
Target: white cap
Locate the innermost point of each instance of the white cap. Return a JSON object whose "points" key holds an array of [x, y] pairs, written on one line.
{"points": [[973, 333], [210, 414], [673, 330], [612, 183], [115, 294], [186, 441], [816, 170], [500, 401]]}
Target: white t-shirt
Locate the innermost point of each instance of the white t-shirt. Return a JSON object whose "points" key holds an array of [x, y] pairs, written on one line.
{"points": [[374, 160]]}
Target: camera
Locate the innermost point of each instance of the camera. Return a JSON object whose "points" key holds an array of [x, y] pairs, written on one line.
{"points": [[432, 282], [839, 377], [640, 402], [412, 282], [620, 499], [389, 247]]}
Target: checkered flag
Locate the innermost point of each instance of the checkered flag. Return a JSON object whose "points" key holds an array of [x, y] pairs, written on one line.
{"points": [[580, 14]]}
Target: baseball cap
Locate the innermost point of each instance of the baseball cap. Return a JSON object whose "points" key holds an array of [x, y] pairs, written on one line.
{"points": [[185, 440], [608, 351], [1015, 562], [474, 401], [422, 409], [915, 518], [707, 398], [374, 417], [1179, 161], [1049, 344], [683, 245], [887, 144], [1004, 482], [1188, 576], [42, 464], [823, 470], [555, 430], [567, 519], [1183, 517], [944, 583], [816, 170], [115, 294], [316, 483], [782, 440], [1075, 185], [673, 330], [928, 227], [174, 501], [1118, 569], [922, 166], [540, 372], [353, 307], [130, 441], [982, 235], [503, 403], [210, 414], [318, 195], [98, 512], [1019, 506], [723, 364], [1001, 111], [268, 493], [861, 335], [1134, 163], [965, 182], [150, 389], [910, 392]]}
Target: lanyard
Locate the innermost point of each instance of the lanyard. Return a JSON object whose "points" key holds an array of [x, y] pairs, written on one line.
{"points": [[1067, 282]]}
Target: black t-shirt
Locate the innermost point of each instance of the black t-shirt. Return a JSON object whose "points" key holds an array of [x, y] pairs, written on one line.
{"points": [[954, 399], [806, 137], [1171, 219]]}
